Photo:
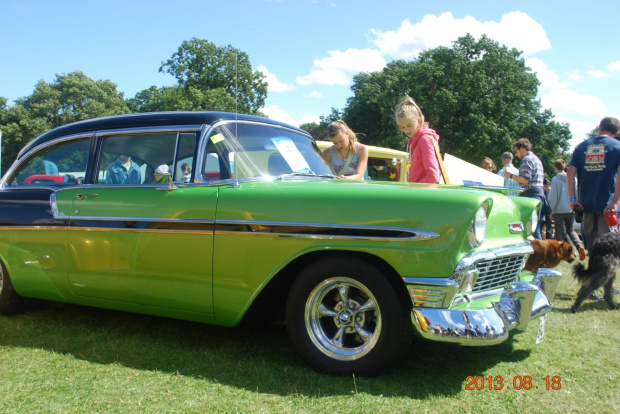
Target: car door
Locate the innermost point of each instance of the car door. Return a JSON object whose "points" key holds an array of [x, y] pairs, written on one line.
{"points": [[32, 240], [142, 241]]}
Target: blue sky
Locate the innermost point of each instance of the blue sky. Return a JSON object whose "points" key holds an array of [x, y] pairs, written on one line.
{"points": [[309, 49]]}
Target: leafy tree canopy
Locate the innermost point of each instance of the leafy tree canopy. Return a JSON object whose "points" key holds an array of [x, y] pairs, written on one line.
{"points": [[71, 97], [177, 98], [212, 78], [319, 131], [479, 96]]}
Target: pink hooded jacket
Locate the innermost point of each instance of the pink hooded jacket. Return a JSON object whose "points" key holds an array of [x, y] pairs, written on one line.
{"points": [[424, 166]]}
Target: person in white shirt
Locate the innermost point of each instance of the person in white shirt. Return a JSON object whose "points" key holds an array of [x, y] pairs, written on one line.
{"points": [[509, 182]]}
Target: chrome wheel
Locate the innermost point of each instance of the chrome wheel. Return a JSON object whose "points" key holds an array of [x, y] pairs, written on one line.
{"points": [[345, 317], [342, 318]]}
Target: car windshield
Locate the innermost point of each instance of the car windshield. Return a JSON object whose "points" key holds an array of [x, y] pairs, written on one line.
{"points": [[250, 151]]}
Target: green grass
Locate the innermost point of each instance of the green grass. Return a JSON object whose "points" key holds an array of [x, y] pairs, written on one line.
{"points": [[76, 359]]}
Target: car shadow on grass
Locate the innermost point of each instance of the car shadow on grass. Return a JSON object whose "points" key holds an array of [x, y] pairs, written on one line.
{"points": [[258, 358]]}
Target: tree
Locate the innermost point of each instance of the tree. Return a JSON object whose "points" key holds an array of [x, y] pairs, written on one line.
{"points": [[211, 77], [319, 131], [177, 98], [479, 96], [69, 98], [73, 97]]}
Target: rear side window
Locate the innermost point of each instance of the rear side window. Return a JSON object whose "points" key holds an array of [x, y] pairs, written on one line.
{"points": [[144, 159], [57, 165]]}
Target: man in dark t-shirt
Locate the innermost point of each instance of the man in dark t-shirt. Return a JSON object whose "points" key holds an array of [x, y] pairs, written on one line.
{"points": [[596, 161]]}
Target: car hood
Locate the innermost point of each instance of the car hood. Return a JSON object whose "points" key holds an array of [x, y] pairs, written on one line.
{"points": [[443, 211]]}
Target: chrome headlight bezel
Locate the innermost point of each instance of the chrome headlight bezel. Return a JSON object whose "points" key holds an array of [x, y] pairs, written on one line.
{"points": [[478, 227]]}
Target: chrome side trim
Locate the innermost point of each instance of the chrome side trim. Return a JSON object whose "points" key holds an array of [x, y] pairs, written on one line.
{"points": [[34, 228], [328, 231], [143, 230], [320, 230]]}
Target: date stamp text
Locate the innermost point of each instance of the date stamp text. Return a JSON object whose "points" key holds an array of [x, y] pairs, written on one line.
{"points": [[518, 382]]}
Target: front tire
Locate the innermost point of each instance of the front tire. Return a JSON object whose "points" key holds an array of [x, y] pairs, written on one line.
{"points": [[345, 317]]}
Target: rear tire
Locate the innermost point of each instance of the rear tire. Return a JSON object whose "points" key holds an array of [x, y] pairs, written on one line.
{"points": [[8, 298], [345, 317]]}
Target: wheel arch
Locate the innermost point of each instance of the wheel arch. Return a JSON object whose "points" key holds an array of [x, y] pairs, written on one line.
{"points": [[269, 303]]}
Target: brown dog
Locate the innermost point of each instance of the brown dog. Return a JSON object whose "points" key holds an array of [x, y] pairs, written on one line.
{"points": [[548, 253]]}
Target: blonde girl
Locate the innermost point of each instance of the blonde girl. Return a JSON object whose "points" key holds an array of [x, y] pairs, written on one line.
{"points": [[347, 157], [424, 167]]}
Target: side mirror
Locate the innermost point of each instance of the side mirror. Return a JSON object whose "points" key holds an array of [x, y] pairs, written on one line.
{"points": [[163, 179]]}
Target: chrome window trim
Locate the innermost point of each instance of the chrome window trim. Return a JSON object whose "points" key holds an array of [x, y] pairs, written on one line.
{"points": [[100, 135], [22, 157], [89, 134], [143, 130]]}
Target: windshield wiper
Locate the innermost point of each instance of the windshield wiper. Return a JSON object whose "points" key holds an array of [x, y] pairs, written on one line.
{"points": [[305, 174]]}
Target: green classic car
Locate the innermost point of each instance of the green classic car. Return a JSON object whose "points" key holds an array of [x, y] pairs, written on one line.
{"points": [[218, 218]]}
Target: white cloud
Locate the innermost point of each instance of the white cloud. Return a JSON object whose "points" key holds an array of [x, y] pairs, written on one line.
{"points": [[515, 29], [339, 67], [273, 112], [308, 119], [614, 67], [274, 84], [575, 75], [597, 74], [315, 94], [580, 111], [548, 78], [565, 102]]}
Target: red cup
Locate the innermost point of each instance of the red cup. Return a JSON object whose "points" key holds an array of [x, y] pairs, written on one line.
{"points": [[611, 218]]}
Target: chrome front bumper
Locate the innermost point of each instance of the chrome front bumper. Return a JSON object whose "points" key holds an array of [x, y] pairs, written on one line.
{"points": [[518, 304]]}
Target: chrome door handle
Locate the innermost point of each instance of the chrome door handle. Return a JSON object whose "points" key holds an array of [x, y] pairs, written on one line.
{"points": [[84, 195]]}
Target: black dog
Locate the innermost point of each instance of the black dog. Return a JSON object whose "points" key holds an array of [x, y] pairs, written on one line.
{"points": [[601, 271]]}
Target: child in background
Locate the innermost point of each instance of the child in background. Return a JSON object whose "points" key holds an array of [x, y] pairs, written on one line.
{"points": [[424, 167]]}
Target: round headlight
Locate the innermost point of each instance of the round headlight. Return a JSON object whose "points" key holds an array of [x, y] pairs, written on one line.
{"points": [[533, 223], [478, 228]]}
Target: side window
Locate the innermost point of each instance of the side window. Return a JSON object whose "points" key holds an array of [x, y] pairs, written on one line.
{"points": [[58, 165], [185, 157], [135, 159]]}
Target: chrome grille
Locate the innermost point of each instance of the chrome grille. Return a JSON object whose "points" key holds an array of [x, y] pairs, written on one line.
{"points": [[498, 272]]}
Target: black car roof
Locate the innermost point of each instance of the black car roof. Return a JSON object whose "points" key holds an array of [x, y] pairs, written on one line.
{"points": [[145, 119]]}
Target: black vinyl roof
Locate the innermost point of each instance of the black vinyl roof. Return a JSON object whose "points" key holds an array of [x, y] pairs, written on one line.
{"points": [[147, 119]]}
